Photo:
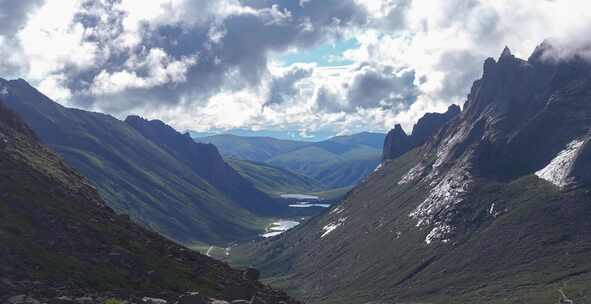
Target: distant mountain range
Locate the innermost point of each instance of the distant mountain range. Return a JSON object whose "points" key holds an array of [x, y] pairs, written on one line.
{"points": [[492, 207], [146, 169], [61, 243], [340, 161], [284, 135], [274, 180]]}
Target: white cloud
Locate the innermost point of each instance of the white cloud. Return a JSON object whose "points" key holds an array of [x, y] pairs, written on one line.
{"points": [[160, 69], [213, 57]]}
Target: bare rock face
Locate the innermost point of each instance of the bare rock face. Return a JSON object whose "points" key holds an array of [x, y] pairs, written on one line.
{"points": [[521, 115], [397, 142]]}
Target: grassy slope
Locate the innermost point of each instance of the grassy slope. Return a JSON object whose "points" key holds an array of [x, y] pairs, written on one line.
{"points": [[340, 169], [338, 162], [259, 149], [541, 243], [134, 175], [274, 180], [56, 231]]}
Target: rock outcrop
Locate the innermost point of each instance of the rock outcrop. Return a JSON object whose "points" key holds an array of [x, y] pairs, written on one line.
{"points": [[397, 142]]}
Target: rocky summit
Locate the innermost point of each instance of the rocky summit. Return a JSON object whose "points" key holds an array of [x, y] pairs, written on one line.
{"points": [[61, 243], [493, 207], [397, 142]]}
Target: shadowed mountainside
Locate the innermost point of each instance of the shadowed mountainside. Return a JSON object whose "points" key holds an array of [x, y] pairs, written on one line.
{"points": [[158, 180], [494, 208], [60, 239]]}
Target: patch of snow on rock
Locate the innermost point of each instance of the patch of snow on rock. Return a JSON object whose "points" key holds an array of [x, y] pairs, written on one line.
{"points": [[332, 226], [378, 167], [558, 169], [336, 210], [3, 91]]}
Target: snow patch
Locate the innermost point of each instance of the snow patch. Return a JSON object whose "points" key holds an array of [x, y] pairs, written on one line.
{"points": [[336, 210], [332, 226], [378, 167], [4, 91], [558, 169]]}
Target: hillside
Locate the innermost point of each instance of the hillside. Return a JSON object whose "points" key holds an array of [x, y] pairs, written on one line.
{"points": [[274, 180], [259, 149], [60, 240], [493, 208], [144, 176], [338, 162]]}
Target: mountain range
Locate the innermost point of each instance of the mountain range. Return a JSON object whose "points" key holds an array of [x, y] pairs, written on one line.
{"points": [[491, 206], [158, 176], [61, 243], [338, 162]]}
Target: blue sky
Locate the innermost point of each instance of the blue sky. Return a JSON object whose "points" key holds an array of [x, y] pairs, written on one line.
{"points": [[219, 65], [329, 54]]}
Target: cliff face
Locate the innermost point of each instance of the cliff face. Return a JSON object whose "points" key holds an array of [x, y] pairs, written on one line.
{"points": [[60, 239], [397, 142], [493, 207]]}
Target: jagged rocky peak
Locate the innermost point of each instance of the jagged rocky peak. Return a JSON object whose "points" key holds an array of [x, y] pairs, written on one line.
{"points": [[506, 53], [397, 142], [430, 123], [521, 118], [522, 113]]}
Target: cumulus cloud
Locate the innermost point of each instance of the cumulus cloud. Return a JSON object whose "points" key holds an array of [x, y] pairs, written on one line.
{"points": [[213, 64], [285, 86], [13, 16]]}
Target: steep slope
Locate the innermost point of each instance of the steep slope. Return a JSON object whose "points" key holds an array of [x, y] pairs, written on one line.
{"points": [[205, 161], [59, 239], [274, 180], [133, 174], [341, 161], [492, 209]]}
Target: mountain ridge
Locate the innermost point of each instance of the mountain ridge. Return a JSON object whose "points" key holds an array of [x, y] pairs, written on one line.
{"points": [[135, 175], [61, 241], [341, 161], [492, 209]]}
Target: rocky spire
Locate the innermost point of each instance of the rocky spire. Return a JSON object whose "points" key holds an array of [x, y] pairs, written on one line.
{"points": [[506, 53], [396, 143]]}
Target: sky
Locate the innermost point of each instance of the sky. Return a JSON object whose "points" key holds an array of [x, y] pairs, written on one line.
{"points": [[305, 68]]}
